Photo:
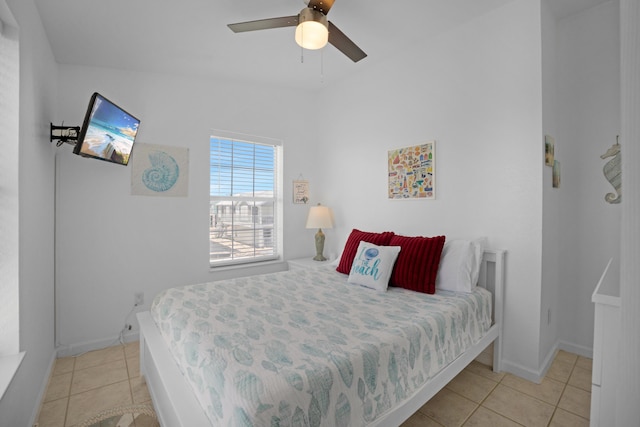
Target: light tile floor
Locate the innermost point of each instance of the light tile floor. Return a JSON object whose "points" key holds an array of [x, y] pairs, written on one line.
{"points": [[82, 386], [85, 385], [480, 397]]}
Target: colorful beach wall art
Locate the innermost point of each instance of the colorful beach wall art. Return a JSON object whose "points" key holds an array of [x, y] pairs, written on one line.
{"points": [[412, 172]]}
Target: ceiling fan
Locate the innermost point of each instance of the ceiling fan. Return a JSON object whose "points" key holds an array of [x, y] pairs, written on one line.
{"points": [[313, 30]]}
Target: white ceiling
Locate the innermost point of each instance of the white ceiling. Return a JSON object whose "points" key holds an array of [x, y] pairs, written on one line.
{"points": [[565, 8], [191, 37]]}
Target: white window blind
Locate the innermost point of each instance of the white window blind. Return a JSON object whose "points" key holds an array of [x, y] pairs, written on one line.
{"points": [[244, 208]]}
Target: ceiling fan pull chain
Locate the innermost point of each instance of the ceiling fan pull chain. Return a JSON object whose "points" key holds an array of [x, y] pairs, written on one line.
{"points": [[321, 65], [301, 48]]}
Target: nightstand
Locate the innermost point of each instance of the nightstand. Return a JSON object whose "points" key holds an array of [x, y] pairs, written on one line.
{"points": [[306, 263]]}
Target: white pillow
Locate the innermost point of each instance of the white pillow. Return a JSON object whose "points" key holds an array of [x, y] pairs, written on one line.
{"points": [[372, 265], [336, 261], [460, 265]]}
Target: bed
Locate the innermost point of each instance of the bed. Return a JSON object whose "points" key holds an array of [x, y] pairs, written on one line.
{"points": [[307, 363]]}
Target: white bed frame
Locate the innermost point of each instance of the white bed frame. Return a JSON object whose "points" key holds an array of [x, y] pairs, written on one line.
{"points": [[176, 404]]}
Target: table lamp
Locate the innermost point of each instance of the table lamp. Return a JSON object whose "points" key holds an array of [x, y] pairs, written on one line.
{"points": [[320, 217]]}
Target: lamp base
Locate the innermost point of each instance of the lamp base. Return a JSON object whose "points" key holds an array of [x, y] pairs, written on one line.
{"points": [[319, 246]]}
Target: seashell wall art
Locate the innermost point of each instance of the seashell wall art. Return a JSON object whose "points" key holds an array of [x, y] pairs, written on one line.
{"points": [[160, 170], [612, 171]]}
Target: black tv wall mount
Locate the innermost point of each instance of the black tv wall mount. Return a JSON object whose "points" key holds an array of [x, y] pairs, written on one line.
{"points": [[62, 134]]}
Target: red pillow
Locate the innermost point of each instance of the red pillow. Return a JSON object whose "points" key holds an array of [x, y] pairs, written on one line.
{"points": [[417, 264], [351, 247]]}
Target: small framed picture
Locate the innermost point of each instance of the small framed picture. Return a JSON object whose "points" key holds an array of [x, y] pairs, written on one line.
{"points": [[300, 191], [549, 150]]}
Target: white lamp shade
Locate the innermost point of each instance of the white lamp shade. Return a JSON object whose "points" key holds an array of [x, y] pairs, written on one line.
{"points": [[320, 217]]}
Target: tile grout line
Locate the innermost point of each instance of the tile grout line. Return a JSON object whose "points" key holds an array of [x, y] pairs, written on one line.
{"points": [[478, 405], [102, 364], [485, 398], [555, 406], [564, 387], [489, 394], [482, 401], [126, 362], [555, 409], [575, 364], [66, 409]]}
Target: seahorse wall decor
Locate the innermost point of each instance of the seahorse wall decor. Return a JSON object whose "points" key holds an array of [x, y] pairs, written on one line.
{"points": [[613, 173]]}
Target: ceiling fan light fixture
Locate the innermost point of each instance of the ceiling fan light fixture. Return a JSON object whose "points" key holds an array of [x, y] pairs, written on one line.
{"points": [[312, 31]]}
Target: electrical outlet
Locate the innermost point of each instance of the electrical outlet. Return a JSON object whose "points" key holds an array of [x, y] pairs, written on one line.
{"points": [[139, 298]]}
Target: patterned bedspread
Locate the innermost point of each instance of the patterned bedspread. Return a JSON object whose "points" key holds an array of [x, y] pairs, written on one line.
{"points": [[305, 348]]}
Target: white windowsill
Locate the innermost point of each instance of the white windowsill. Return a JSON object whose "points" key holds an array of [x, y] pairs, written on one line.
{"points": [[8, 367], [246, 265]]}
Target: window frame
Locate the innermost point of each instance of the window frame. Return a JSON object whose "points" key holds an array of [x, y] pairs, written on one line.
{"points": [[11, 357], [9, 194], [244, 201]]}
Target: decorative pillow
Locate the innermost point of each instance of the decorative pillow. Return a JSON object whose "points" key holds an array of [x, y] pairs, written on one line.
{"points": [[336, 261], [480, 244], [460, 265], [417, 264], [350, 248], [372, 265]]}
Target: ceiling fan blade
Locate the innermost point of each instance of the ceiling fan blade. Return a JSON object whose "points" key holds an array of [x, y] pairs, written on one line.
{"points": [[344, 44], [264, 24], [321, 5]]}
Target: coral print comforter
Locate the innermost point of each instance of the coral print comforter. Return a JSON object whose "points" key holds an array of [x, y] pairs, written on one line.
{"points": [[305, 348]]}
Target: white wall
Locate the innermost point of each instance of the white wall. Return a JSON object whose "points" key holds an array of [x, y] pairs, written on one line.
{"points": [[111, 244], [486, 91], [628, 381], [38, 93], [477, 91], [588, 120], [551, 197]]}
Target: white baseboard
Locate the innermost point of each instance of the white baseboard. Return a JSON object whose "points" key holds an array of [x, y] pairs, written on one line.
{"points": [[576, 349], [548, 360], [537, 375], [80, 348], [522, 372], [43, 388]]}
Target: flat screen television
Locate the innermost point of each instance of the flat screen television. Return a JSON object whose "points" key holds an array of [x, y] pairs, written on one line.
{"points": [[107, 133]]}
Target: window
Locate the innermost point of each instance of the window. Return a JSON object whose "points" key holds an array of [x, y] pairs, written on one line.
{"points": [[245, 204], [10, 358], [9, 196]]}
